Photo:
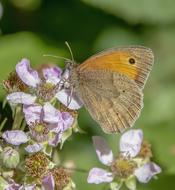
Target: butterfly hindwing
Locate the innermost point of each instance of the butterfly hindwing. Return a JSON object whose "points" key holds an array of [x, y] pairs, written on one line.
{"points": [[112, 99]]}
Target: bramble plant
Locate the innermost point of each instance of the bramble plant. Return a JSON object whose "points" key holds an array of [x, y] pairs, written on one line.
{"points": [[133, 162], [42, 122]]}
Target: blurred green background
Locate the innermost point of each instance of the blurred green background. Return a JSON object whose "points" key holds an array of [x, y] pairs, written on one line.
{"points": [[31, 28]]}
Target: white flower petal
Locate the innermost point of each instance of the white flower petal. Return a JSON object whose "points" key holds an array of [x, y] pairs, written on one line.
{"points": [[98, 175], [52, 74], [103, 151], [64, 95], [27, 187], [26, 74], [15, 137], [32, 113], [21, 98], [48, 182], [147, 171], [131, 141], [34, 148], [67, 120], [51, 114], [55, 140]]}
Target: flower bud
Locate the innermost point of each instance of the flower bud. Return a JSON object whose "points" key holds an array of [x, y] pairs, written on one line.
{"points": [[10, 157]]}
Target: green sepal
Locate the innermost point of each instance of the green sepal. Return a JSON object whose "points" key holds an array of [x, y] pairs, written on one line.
{"points": [[116, 185], [131, 183], [65, 136]]}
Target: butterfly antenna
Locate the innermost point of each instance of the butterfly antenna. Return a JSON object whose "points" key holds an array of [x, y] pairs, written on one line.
{"points": [[67, 44], [55, 56]]}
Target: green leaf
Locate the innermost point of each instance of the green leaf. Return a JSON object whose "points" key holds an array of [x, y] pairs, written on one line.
{"points": [[138, 11], [116, 36]]}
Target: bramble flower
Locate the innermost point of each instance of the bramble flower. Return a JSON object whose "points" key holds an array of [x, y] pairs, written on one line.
{"points": [[42, 89], [37, 165], [58, 178], [47, 126], [46, 123], [127, 166], [40, 173]]}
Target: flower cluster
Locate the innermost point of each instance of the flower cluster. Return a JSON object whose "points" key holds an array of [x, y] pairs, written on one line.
{"points": [[44, 111], [41, 123], [132, 162]]}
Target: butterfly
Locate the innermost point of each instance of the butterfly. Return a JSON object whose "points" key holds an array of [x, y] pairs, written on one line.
{"points": [[110, 85]]}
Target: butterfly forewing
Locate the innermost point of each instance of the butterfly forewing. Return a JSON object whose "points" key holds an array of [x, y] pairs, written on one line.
{"points": [[135, 62]]}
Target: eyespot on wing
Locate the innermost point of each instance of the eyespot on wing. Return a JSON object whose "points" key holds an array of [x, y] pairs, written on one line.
{"points": [[133, 61]]}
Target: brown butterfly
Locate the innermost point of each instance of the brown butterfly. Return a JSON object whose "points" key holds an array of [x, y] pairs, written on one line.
{"points": [[110, 84]]}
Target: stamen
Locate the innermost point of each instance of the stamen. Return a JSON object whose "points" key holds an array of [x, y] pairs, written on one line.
{"points": [[14, 83], [37, 165], [123, 167], [46, 91], [39, 131], [61, 177], [145, 151]]}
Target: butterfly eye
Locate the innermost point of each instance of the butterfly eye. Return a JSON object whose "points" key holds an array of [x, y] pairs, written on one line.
{"points": [[132, 61]]}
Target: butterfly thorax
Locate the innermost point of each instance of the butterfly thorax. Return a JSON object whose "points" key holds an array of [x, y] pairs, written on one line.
{"points": [[70, 75], [74, 77]]}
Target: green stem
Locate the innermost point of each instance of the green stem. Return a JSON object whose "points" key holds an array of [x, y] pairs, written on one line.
{"points": [[4, 103], [3, 123], [23, 125], [18, 118]]}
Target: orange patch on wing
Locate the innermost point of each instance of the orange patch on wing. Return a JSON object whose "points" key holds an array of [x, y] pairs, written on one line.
{"points": [[114, 61]]}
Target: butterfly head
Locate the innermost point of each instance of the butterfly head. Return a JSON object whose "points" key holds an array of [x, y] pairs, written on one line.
{"points": [[70, 64]]}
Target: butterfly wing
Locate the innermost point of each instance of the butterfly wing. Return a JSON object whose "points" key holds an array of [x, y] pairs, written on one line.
{"points": [[112, 99], [135, 62]]}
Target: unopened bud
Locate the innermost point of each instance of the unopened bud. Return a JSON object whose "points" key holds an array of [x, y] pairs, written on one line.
{"points": [[10, 157]]}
